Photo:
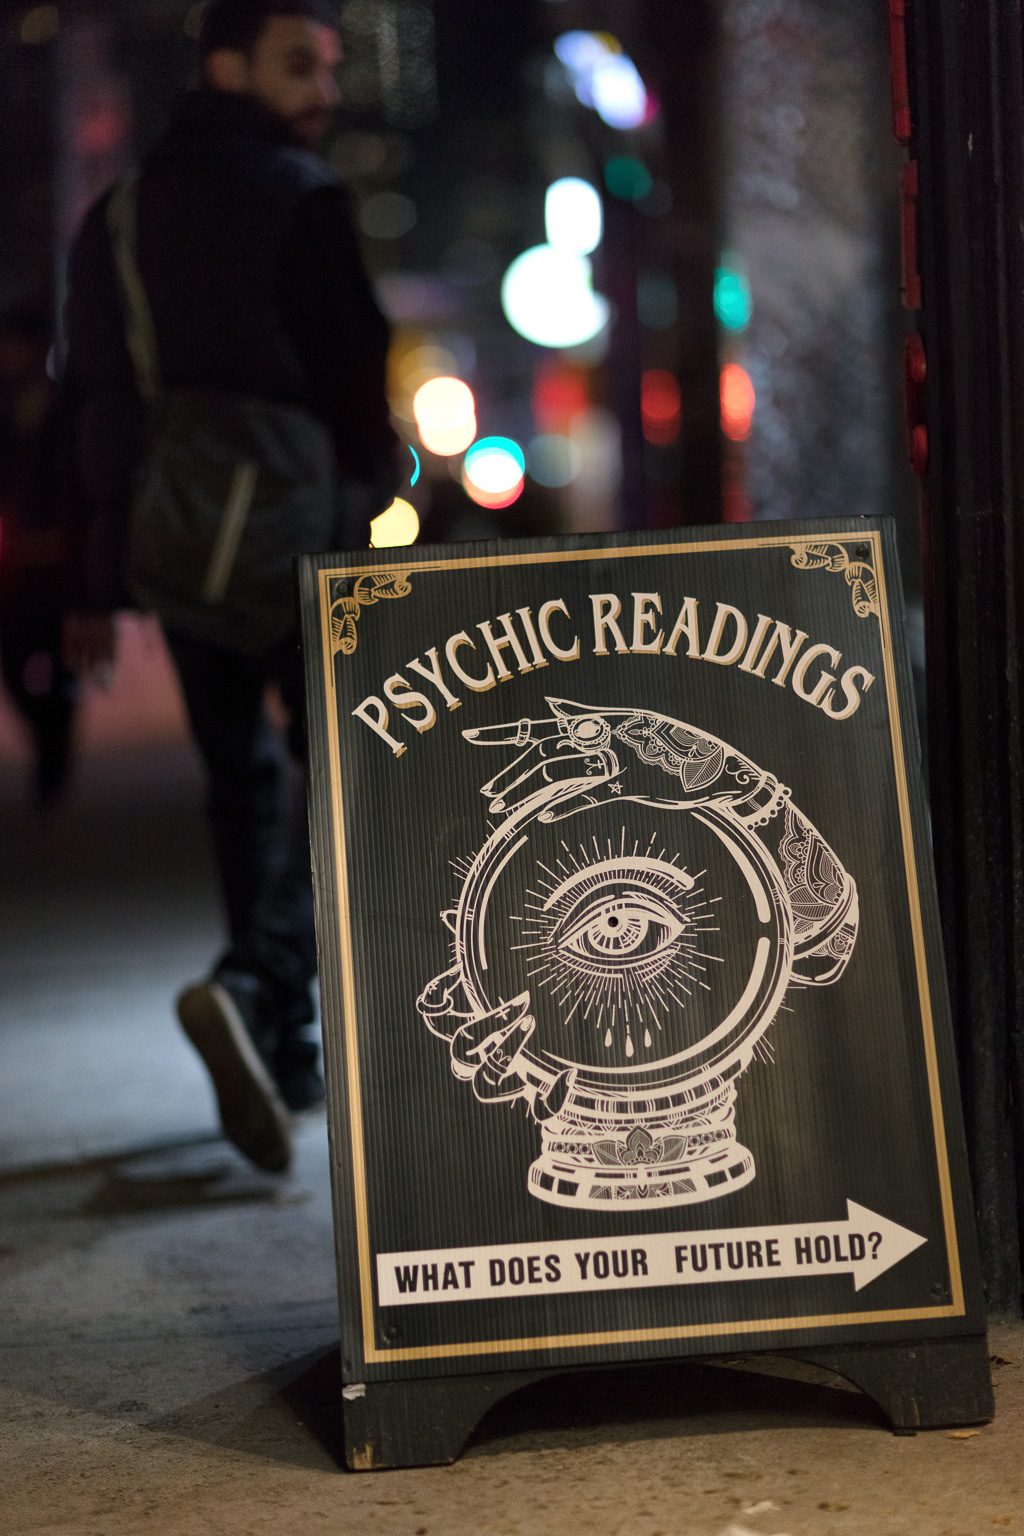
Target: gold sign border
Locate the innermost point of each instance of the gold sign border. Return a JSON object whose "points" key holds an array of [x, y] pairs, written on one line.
{"points": [[373, 1354]]}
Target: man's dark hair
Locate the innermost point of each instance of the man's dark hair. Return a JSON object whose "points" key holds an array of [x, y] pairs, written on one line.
{"points": [[238, 24]]}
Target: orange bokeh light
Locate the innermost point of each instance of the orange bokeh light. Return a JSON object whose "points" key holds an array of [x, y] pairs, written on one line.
{"points": [[738, 400], [445, 414]]}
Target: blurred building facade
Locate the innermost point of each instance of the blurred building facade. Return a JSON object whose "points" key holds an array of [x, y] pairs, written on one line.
{"points": [[811, 210], [748, 247]]}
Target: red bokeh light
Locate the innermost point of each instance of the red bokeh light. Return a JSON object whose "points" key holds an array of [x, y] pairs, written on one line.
{"points": [[660, 406], [560, 394]]}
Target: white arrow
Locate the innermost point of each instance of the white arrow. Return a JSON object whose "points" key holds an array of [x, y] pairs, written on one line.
{"points": [[895, 1244], [865, 1245]]}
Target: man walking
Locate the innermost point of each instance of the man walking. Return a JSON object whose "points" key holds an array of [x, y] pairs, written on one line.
{"points": [[226, 366]]}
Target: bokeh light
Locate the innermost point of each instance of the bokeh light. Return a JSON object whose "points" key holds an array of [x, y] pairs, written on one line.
{"points": [[628, 178], [732, 299], [547, 297], [573, 216], [738, 400], [554, 460], [561, 392], [493, 500], [618, 92], [581, 53], [495, 464], [605, 78], [493, 472], [397, 524], [445, 414], [660, 406]]}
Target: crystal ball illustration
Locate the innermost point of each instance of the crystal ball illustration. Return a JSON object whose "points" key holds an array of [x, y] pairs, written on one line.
{"points": [[649, 940], [622, 939]]}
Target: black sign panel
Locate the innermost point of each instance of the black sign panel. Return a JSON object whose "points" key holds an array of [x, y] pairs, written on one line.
{"points": [[634, 1012]]}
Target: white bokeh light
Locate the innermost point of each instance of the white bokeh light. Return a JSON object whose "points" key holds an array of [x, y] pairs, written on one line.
{"points": [[581, 52], [548, 298], [604, 78], [495, 465], [573, 218], [618, 92]]}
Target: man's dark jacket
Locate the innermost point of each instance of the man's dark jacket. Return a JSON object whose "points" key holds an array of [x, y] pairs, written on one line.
{"points": [[254, 276]]}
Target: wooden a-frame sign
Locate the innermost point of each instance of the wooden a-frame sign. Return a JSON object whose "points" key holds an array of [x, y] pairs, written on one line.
{"points": [[635, 1022]]}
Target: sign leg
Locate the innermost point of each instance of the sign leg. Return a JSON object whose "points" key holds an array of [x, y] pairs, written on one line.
{"points": [[421, 1423], [927, 1385]]}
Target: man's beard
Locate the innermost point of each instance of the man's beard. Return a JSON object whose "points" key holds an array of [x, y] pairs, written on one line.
{"points": [[308, 128]]}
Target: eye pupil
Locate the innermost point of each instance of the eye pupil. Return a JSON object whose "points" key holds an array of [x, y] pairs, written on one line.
{"points": [[613, 922]]}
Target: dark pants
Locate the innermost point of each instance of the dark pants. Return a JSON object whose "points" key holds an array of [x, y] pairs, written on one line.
{"points": [[257, 809], [41, 687]]}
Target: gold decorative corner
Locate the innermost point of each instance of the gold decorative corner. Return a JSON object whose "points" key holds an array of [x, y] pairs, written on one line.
{"points": [[365, 591], [860, 576]]}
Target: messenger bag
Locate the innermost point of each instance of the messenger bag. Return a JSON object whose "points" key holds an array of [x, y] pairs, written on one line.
{"points": [[229, 489]]}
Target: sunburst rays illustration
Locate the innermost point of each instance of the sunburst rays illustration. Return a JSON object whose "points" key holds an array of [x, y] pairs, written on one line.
{"points": [[619, 936]]}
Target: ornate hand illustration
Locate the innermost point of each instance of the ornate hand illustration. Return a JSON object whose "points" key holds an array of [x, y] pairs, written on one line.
{"points": [[576, 760], [484, 1046]]}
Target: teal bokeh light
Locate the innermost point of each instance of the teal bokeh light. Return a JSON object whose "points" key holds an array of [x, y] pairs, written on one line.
{"points": [[627, 178], [732, 299]]}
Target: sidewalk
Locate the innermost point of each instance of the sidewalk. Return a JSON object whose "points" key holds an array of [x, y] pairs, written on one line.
{"points": [[167, 1314]]}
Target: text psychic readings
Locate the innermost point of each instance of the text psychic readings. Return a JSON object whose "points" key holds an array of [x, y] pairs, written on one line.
{"points": [[767, 649]]}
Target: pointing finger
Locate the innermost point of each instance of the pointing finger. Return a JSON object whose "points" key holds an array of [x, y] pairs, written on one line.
{"points": [[517, 733]]}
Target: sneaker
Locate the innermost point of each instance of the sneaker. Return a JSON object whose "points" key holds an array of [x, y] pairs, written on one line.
{"points": [[252, 1113]]}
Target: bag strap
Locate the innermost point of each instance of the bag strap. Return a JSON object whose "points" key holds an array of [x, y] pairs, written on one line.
{"points": [[139, 332]]}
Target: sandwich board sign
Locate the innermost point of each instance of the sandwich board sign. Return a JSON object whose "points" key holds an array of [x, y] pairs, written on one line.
{"points": [[635, 1026]]}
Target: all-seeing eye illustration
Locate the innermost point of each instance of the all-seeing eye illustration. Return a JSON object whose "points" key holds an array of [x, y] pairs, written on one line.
{"points": [[622, 941]]}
